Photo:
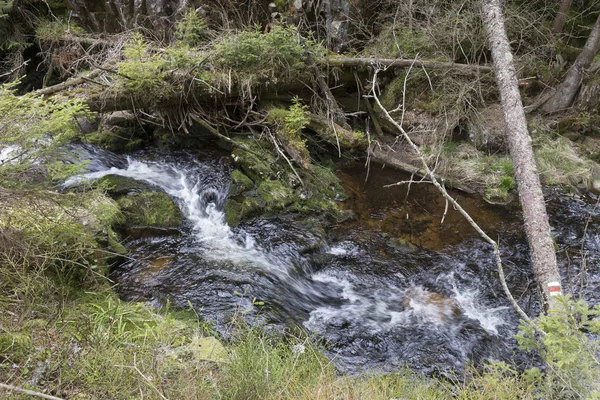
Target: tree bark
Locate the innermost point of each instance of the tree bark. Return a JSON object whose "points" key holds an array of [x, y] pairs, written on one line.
{"points": [[561, 16], [566, 92], [537, 226]]}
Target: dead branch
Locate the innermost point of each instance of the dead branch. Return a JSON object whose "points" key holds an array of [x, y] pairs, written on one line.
{"points": [[400, 63], [68, 84], [282, 154], [28, 392]]}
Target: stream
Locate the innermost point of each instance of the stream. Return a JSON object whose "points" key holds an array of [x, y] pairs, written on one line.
{"points": [[394, 287]]}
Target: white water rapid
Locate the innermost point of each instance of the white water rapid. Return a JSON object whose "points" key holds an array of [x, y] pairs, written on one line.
{"points": [[336, 299]]}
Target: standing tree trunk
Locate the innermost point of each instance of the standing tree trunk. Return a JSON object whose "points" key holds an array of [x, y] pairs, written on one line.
{"points": [[564, 95], [537, 226], [561, 16]]}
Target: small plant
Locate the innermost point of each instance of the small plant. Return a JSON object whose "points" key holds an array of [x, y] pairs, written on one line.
{"points": [[507, 183], [289, 124], [504, 166], [33, 132], [569, 348], [53, 31], [450, 147], [192, 30], [144, 71]]}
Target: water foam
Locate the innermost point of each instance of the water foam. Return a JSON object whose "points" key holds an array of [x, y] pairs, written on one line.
{"points": [[378, 307], [387, 309], [202, 206]]}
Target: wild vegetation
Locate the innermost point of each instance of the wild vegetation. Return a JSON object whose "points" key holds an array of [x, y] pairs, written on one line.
{"points": [[288, 97]]}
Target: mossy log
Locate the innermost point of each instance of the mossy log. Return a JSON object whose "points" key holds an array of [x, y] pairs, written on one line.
{"points": [[336, 135], [396, 160]]}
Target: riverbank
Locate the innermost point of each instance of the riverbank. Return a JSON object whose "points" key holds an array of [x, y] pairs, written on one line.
{"points": [[65, 332]]}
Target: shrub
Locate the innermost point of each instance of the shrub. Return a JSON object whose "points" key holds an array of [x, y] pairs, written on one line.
{"points": [[144, 70], [569, 348], [272, 55], [192, 30]]}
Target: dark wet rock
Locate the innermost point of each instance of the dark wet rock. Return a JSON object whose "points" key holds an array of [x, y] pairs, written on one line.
{"points": [[144, 232]]}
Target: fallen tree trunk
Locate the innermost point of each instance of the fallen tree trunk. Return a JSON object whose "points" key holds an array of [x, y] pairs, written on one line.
{"points": [[50, 90], [400, 63], [566, 92]]}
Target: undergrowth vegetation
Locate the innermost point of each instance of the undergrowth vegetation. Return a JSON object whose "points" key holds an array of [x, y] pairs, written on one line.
{"points": [[33, 134], [64, 332]]}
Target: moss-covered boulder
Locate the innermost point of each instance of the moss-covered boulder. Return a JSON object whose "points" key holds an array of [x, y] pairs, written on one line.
{"points": [[152, 208], [264, 185], [117, 185], [240, 183]]}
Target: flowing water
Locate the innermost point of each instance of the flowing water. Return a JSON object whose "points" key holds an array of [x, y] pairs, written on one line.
{"points": [[378, 301]]}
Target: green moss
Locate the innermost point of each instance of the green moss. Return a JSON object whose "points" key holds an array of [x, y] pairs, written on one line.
{"points": [[274, 195], [275, 189], [239, 183], [118, 139], [69, 220], [497, 195], [257, 163], [232, 212], [418, 91], [150, 209], [396, 40], [114, 243], [117, 185], [14, 347]]}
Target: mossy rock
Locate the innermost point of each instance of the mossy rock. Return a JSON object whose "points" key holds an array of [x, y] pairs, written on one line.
{"points": [[150, 209], [419, 94], [117, 185], [233, 212], [240, 183], [264, 185], [274, 195], [498, 196], [14, 347], [258, 163]]}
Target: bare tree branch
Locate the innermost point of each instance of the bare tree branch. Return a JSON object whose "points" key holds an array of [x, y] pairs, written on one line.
{"points": [[451, 200]]}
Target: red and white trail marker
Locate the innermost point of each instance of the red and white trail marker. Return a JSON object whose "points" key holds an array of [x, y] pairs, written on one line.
{"points": [[554, 288]]}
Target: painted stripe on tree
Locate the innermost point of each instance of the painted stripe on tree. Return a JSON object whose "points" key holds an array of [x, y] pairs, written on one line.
{"points": [[554, 288]]}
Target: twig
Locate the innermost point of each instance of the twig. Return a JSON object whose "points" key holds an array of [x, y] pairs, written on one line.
{"points": [[12, 71], [67, 84], [282, 154], [445, 212], [144, 377], [28, 392]]}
